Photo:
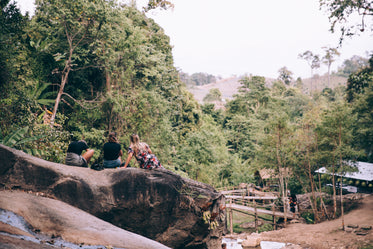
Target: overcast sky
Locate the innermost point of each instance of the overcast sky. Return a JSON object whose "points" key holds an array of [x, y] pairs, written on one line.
{"points": [[235, 37]]}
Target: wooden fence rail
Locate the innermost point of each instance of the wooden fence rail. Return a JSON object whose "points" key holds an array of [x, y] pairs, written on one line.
{"points": [[238, 200]]}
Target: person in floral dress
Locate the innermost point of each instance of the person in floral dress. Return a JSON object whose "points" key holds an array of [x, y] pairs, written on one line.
{"points": [[142, 153]]}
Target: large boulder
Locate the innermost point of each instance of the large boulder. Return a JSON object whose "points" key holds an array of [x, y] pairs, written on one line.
{"points": [[53, 219], [158, 204]]}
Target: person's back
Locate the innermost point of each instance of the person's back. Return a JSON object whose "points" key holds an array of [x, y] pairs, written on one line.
{"points": [[74, 151], [142, 153], [112, 152], [77, 147]]}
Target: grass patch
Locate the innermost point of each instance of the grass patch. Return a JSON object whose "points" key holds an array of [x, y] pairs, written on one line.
{"points": [[241, 218]]}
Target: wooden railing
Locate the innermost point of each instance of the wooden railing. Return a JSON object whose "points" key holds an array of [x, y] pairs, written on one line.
{"points": [[255, 203]]}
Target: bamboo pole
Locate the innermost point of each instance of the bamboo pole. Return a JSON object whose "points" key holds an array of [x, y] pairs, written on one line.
{"points": [[231, 218], [256, 217]]}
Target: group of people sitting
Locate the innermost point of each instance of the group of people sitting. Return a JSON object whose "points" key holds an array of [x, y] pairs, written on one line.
{"points": [[113, 153]]}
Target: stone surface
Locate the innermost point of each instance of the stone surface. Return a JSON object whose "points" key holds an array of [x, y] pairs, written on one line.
{"points": [[353, 225], [251, 242], [54, 218], [366, 227], [157, 204]]}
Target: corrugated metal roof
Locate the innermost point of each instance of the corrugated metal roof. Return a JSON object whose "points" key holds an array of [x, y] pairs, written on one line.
{"points": [[365, 171]]}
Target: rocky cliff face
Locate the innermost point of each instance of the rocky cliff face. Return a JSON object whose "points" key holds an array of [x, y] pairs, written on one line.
{"points": [[158, 204]]}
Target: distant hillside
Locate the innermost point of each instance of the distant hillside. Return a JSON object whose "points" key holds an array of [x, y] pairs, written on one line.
{"points": [[321, 82], [229, 86]]}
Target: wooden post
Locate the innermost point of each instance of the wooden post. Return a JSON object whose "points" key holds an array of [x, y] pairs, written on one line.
{"points": [[256, 217], [231, 218], [274, 217]]}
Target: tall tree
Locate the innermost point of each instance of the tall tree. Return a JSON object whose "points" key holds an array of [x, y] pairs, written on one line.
{"points": [[285, 75], [74, 29], [275, 151], [255, 92], [360, 96], [335, 141], [313, 61], [241, 136], [329, 58], [12, 25], [306, 147], [14, 107]]}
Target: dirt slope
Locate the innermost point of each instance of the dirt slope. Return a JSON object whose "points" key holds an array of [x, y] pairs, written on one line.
{"points": [[328, 234]]}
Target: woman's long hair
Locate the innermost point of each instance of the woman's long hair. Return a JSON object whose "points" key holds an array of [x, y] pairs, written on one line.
{"points": [[113, 137], [135, 143]]}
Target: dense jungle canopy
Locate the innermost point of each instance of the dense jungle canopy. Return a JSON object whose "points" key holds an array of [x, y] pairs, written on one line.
{"points": [[85, 68]]}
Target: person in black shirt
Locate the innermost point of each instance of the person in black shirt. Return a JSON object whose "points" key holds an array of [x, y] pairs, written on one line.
{"points": [[112, 152], [293, 202], [74, 155]]}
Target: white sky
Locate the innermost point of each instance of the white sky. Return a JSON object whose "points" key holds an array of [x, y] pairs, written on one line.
{"points": [[235, 37]]}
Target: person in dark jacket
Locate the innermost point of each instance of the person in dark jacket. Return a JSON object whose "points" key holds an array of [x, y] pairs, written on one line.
{"points": [[74, 155], [112, 152]]}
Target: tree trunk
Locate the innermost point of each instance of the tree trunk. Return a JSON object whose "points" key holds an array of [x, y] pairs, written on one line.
{"points": [[312, 185], [65, 75], [341, 183], [342, 213], [281, 177], [108, 81], [334, 194], [329, 75]]}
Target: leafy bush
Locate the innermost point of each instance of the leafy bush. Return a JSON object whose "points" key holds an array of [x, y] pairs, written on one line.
{"points": [[308, 217]]}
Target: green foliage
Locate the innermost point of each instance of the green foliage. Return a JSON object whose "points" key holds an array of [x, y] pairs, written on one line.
{"points": [[40, 140], [335, 133], [265, 228], [362, 105], [308, 217], [294, 186], [52, 144], [18, 138], [285, 75], [217, 115], [357, 83], [352, 65], [12, 25], [197, 79], [40, 94], [239, 135], [213, 95], [203, 153], [163, 4], [120, 77], [240, 171]]}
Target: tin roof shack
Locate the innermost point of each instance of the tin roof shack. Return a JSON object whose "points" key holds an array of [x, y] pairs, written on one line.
{"points": [[360, 181]]}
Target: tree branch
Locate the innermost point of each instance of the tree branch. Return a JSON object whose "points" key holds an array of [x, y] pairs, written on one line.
{"points": [[86, 101]]}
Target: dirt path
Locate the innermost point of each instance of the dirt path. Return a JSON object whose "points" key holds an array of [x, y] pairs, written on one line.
{"points": [[328, 235]]}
